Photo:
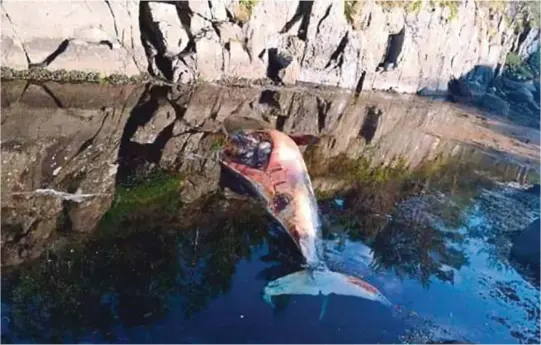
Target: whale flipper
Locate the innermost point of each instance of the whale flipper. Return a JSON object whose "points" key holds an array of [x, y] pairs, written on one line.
{"points": [[322, 282]]}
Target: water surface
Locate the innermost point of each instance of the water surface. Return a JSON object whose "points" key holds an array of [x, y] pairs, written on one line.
{"points": [[159, 253]]}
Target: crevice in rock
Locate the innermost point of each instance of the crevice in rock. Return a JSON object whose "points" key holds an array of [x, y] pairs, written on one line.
{"points": [[28, 61], [114, 18], [395, 44], [323, 18], [48, 91], [185, 15], [360, 84], [370, 123], [90, 140], [497, 72], [270, 98], [337, 57], [132, 156], [20, 233], [216, 29], [64, 222], [246, 49], [303, 12], [230, 17], [522, 37], [227, 48], [150, 41], [61, 49], [322, 108], [277, 62], [214, 110], [47, 61], [261, 55], [280, 122]]}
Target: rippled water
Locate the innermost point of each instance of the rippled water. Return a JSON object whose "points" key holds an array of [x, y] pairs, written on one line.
{"points": [[159, 269]]}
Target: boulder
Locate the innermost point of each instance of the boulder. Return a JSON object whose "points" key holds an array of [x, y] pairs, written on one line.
{"points": [[459, 90], [521, 95], [97, 36], [526, 248], [482, 76], [509, 84], [494, 103]]}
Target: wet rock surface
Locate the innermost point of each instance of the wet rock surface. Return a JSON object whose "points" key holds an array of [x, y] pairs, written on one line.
{"points": [[54, 137], [106, 136], [111, 197]]}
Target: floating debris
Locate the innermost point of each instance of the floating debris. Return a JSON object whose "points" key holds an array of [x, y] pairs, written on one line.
{"points": [[75, 197]]}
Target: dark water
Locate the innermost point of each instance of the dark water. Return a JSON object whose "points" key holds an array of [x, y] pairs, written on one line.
{"points": [[161, 270]]}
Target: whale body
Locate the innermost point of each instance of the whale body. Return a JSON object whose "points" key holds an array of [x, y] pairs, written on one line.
{"points": [[277, 175]]}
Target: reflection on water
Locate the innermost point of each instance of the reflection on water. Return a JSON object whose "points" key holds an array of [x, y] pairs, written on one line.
{"points": [[168, 261], [129, 279], [174, 258]]}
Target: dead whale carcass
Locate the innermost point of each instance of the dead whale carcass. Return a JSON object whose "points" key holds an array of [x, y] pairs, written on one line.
{"points": [[273, 167]]}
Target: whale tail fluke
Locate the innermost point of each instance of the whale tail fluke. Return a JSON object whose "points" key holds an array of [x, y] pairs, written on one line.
{"points": [[322, 282]]}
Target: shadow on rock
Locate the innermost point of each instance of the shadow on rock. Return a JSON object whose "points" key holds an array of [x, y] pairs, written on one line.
{"points": [[136, 157]]}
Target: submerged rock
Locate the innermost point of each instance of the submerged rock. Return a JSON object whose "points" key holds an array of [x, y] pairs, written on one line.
{"points": [[526, 247]]}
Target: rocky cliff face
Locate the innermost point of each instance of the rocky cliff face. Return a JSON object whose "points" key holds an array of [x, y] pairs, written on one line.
{"points": [[66, 148], [381, 45]]}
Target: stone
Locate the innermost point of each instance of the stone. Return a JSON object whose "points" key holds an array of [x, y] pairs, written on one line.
{"points": [[482, 76], [525, 248], [238, 63], [509, 85], [494, 103], [88, 139], [325, 57], [184, 70], [163, 117], [173, 38], [460, 90], [331, 43], [529, 44], [355, 14], [85, 216], [521, 95], [210, 57], [99, 38]]}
